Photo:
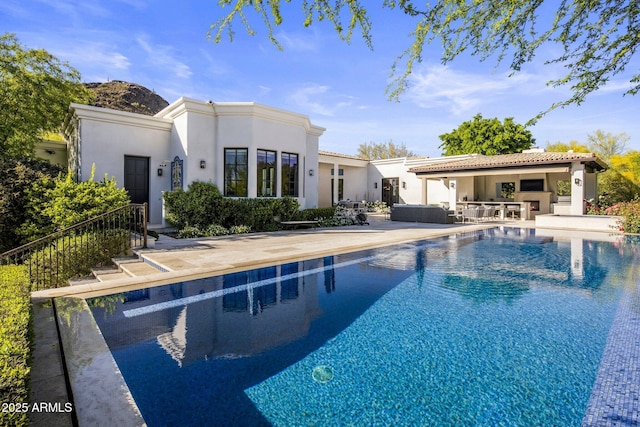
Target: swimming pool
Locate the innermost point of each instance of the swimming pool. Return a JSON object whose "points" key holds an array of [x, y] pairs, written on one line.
{"points": [[497, 327]]}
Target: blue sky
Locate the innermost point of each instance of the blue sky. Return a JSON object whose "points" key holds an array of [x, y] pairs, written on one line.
{"points": [[163, 45]]}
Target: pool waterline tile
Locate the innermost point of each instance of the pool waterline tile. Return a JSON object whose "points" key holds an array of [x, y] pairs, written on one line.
{"points": [[615, 399]]}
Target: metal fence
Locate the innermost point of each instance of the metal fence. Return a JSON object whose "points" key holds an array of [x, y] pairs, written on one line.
{"points": [[74, 251]]}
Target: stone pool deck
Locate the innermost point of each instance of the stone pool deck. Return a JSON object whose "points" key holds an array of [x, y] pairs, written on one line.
{"points": [[615, 397]]}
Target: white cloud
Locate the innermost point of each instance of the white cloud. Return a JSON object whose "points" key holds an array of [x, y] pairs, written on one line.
{"points": [[319, 99], [77, 10], [297, 42], [94, 56], [162, 56], [263, 90], [459, 92]]}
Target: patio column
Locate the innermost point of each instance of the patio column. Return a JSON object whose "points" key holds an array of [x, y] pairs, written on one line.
{"points": [[577, 189], [336, 177], [453, 193]]}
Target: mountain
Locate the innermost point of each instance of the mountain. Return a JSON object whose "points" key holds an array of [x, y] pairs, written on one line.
{"points": [[125, 96]]}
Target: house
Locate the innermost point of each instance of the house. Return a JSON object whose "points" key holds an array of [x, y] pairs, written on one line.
{"points": [[252, 150], [535, 177], [541, 182], [246, 149]]}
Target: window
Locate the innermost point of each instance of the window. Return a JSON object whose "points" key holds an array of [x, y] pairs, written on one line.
{"points": [[289, 174], [266, 173], [235, 172]]}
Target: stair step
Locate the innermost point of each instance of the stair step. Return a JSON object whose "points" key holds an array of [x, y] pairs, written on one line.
{"points": [[87, 280], [102, 277], [125, 260], [103, 274], [139, 268]]}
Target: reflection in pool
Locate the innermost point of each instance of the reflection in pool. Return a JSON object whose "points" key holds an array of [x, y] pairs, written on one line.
{"points": [[500, 326]]}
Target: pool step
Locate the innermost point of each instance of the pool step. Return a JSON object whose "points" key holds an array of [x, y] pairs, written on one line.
{"points": [[122, 268]]}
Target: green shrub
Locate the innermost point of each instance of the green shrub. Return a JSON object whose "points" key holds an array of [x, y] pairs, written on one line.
{"points": [[17, 177], [202, 204], [189, 232], [61, 203], [216, 230], [377, 206], [15, 332], [75, 256], [239, 229], [341, 217], [316, 214], [630, 213]]}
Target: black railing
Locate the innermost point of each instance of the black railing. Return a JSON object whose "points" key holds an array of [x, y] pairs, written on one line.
{"points": [[74, 251]]}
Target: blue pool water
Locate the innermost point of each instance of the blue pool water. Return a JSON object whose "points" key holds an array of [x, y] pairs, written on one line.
{"points": [[500, 327]]}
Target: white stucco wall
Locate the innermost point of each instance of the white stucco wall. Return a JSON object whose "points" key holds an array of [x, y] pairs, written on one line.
{"points": [[194, 131], [107, 136], [411, 189]]}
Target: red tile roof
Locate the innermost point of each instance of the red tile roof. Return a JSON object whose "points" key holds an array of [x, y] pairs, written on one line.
{"points": [[480, 161]]}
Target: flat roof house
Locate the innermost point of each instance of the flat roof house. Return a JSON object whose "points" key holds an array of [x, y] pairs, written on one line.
{"points": [[246, 149], [252, 150], [541, 182]]}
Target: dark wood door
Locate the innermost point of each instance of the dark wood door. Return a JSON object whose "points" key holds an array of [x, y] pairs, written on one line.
{"points": [[390, 193], [136, 178]]}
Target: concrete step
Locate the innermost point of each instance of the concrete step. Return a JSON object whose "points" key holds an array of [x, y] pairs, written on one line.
{"points": [[122, 268], [87, 280], [103, 274], [140, 268], [135, 266]]}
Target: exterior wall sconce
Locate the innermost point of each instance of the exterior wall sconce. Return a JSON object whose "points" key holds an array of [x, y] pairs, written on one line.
{"points": [[203, 164], [311, 172], [375, 185], [577, 181], [452, 185], [159, 171], [404, 185]]}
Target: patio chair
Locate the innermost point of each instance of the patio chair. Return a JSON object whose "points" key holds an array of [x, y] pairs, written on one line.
{"points": [[489, 213], [361, 219], [513, 210], [471, 214]]}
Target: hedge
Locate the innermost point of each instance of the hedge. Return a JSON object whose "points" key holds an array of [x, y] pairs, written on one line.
{"points": [[15, 333]]}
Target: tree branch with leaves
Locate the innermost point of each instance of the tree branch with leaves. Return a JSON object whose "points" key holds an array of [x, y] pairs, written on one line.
{"points": [[597, 39], [36, 89]]}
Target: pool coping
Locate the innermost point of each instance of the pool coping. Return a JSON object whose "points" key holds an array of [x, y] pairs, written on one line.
{"points": [[101, 396]]}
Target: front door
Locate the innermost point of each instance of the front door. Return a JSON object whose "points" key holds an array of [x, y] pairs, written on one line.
{"points": [[136, 178], [390, 191]]}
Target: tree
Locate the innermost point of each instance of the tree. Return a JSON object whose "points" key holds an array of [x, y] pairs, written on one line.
{"points": [[55, 204], [561, 147], [386, 150], [595, 39], [607, 145], [17, 177], [36, 89], [486, 136]]}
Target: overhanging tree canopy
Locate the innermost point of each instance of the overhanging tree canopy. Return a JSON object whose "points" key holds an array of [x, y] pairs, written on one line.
{"points": [[596, 38], [36, 89]]}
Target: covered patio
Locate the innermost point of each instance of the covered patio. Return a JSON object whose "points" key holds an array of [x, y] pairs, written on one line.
{"points": [[521, 185]]}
